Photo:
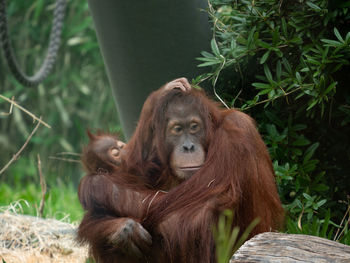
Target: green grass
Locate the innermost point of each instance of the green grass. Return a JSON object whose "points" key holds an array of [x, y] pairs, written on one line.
{"points": [[61, 200]]}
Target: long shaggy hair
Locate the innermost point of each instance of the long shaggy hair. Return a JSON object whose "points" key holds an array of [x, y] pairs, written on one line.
{"points": [[237, 174]]}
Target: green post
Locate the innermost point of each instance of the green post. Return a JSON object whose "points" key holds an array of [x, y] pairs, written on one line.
{"points": [[146, 43]]}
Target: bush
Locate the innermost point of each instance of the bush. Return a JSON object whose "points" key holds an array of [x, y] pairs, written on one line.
{"points": [[286, 63]]}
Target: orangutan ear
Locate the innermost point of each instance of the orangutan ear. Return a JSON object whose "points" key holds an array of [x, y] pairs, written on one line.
{"points": [[90, 135]]}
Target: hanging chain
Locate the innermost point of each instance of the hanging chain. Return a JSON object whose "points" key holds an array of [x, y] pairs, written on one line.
{"points": [[51, 55]]}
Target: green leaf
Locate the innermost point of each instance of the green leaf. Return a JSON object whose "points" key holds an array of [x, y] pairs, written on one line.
{"points": [[284, 27], [271, 130], [278, 70], [239, 19], [265, 91], [241, 40], [330, 87], [347, 38], [286, 65], [62, 110], [296, 40], [275, 36], [320, 188], [299, 127], [324, 54], [264, 57], [321, 203], [301, 141], [279, 53], [207, 59], [209, 63], [271, 94], [305, 70], [313, 103], [250, 38], [214, 47], [264, 44], [313, 6], [337, 34], [38, 10], [298, 203], [310, 151], [261, 85], [207, 54], [325, 224], [307, 197], [333, 43], [313, 61], [298, 77], [268, 73], [273, 117], [309, 215]]}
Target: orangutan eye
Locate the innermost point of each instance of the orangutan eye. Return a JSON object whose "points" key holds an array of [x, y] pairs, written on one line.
{"points": [[177, 130], [194, 127], [114, 152]]}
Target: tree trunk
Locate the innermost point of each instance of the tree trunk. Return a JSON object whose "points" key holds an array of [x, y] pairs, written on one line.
{"points": [[279, 247]]}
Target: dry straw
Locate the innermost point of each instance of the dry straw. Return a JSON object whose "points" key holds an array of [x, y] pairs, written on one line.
{"points": [[32, 239]]}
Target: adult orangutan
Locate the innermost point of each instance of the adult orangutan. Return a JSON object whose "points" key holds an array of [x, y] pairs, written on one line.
{"points": [[157, 199]]}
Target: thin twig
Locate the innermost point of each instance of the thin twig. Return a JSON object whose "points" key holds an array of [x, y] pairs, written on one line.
{"points": [[268, 100], [15, 157], [237, 96], [338, 235], [69, 153], [11, 108], [43, 189], [280, 5], [64, 159], [223, 58], [212, 181], [214, 84], [150, 203], [299, 219], [26, 111], [144, 200]]}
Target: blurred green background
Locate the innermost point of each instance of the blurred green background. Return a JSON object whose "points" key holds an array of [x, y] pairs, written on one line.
{"points": [[75, 97]]}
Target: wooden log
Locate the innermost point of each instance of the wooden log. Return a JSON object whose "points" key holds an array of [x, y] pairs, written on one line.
{"points": [[278, 247]]}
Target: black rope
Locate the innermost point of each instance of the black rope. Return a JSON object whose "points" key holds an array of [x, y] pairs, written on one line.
{"points": [[55, 39]]}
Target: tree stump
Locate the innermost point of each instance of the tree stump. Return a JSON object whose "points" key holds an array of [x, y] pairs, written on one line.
{"points": [[279, 247]]}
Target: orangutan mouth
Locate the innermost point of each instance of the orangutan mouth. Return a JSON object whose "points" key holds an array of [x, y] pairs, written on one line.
{"points": [[190, 168]]}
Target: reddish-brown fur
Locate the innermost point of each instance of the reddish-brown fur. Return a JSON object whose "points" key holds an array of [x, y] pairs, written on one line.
{"points": [[237, 175]]}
